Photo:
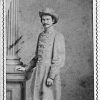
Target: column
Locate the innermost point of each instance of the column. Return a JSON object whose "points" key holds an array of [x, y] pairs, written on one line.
{"points": [[12, 29], [16, 84]]}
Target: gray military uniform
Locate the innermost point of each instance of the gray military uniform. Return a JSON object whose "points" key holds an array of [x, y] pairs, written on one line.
{"points": [[50, 54]]}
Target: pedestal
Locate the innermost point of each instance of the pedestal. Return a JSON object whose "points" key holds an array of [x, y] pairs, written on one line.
{"points": [[16, 85]]}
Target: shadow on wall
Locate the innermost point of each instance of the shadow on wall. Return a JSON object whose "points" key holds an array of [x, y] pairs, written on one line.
{"points": [[86, 90], [15, 43], [82, 89]]}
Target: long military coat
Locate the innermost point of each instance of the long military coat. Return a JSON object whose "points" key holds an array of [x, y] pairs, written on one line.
{"points": [[50, 57]]}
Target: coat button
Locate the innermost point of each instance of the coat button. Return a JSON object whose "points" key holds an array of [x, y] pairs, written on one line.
{"points": [[38, 61], [41, 46], [46, 36], [41, 35]]}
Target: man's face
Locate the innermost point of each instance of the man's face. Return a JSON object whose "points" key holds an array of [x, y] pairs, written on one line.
{"points": [[47, 21]]}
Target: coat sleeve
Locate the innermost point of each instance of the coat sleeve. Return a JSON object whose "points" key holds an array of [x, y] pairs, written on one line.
{"points": [[32, 63], [58, 56], [31, 66]]}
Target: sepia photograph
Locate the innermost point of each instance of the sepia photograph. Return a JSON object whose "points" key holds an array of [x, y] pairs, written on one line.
{"points": [[49, 50]]}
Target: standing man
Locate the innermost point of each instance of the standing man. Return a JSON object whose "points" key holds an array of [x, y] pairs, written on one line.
{"points": [[49, 58]]}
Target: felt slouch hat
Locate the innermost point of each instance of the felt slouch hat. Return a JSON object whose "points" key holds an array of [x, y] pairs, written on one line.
{"points": [[50, 12]]}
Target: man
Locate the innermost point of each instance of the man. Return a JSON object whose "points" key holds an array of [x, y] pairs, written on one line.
{"points": [[49, 58]]}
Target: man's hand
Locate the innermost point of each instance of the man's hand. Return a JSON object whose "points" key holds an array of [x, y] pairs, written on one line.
{"points": [[49, 82], [19, 68]]}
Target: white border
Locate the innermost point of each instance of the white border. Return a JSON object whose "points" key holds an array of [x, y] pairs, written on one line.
{"points": [[4, 50], [98, 29], [1, 51], [96, 37], [94, 43], [2, 44]]}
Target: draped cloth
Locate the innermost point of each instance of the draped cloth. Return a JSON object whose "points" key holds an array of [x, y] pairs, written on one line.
{"points": [[50, 55]]}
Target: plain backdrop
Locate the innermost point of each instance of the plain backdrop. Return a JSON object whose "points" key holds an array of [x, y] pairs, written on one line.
{"points": [[75, 23]]}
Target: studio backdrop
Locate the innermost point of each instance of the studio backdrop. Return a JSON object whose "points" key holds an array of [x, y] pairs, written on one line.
{"points": [[23, 26]]}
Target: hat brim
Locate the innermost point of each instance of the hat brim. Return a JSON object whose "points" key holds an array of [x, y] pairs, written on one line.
{"points": [[52, 15]]}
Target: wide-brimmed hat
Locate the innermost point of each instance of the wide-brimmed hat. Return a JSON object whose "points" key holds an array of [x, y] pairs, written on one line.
{"points": [[51, 12]]}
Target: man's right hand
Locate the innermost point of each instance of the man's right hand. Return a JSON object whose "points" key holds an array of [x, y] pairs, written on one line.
{"points": [[19, 68]]}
